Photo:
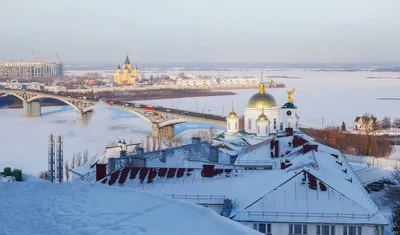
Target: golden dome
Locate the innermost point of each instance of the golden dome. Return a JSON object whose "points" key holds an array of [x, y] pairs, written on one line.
{"points": [[233, 115], [261, 100], [262, 117]]}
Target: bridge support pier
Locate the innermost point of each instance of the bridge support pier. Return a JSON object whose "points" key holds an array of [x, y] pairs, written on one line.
{"points": [[84, 118], [32, 109], [165, 132]]}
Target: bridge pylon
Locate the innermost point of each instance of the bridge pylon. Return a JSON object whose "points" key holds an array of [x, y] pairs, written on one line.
{"points": [[165, 132], [85, 117], [31, 109]]}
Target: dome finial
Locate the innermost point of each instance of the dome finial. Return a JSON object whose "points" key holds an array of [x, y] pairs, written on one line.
{"points": [[262, 76], [233, 114], [262, 116]]}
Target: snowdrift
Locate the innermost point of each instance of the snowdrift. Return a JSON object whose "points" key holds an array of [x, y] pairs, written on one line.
{"points": [[39, 207]]}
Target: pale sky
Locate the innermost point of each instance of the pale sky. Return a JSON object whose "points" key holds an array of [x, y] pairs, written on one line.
{"points": [[104, 31]]}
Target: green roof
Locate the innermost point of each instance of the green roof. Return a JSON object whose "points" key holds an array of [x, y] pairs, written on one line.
{"points": [[289, 106]]}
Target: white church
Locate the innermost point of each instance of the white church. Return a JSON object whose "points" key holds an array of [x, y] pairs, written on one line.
{"points": [[262, 115]]}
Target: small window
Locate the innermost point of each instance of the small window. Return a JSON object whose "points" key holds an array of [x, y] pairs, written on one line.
{"points": [[325, 230], [262, 228], [297, 229], [352, 230]]}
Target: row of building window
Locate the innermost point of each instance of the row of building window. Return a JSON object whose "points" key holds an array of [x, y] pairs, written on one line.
{"points": [[298, 229], [249, 122]]}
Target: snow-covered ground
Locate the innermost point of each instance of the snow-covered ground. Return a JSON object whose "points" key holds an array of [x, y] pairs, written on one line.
{"points": [[39, 207]]}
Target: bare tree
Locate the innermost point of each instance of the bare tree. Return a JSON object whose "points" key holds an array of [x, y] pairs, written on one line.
{"points": [[203, 135], [44, 175], [392, 195], [178, 141], [343, 127], [386, 123], [396, 122], [85, 156], [212, 132], [78, 160], [73, 161], [66, 170]]}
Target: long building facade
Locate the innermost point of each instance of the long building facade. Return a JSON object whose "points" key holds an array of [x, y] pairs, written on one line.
{"points": [[15, 70]]}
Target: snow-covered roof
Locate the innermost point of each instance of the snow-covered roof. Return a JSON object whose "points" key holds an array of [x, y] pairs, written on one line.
{"points": [[271, 191], [343, 201], [79, 208], [183, 156], [260, 153]]}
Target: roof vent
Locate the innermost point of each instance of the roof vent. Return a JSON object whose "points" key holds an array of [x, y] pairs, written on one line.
{"points": [[335, 155], [345, 170], [195, 140], [309, 147], [163, 157], [349, 179], [322, 186], [312, 182], [208, 171], [340, 163]]}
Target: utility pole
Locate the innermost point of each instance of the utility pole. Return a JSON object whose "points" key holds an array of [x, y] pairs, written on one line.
{"points": [[322, 123]]}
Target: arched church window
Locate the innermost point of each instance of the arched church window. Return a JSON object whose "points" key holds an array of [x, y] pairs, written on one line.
{"points": [[236, 125], [229, 125], [281, 126], [274, 123], [258, 129], [249, 123]]}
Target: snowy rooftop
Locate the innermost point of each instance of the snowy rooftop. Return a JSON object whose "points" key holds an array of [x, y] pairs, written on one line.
{"points": [[190, 155], [37, 207], [265, 192]]}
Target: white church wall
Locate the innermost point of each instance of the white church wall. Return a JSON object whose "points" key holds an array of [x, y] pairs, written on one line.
{"points": [[253, 113]]}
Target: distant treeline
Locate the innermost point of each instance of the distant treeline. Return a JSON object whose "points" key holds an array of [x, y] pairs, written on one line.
{"points": [[355, 144]]}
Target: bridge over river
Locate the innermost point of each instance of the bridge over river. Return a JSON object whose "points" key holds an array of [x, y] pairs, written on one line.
{"points": [[162, 119]]}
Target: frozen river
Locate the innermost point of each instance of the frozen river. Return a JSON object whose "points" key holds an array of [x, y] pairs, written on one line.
{"points": [[334, 96]]}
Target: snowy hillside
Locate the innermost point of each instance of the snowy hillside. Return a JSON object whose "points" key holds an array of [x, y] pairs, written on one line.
{"points": [[39, 207]]}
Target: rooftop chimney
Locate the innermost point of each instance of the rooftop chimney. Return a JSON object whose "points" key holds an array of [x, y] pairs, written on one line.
{"points": [[122, 153], [289, 131], [195, 140], [139, 150], [208, 171], [213, 154], [111, 165], [163, 157], [101, 171], [308, 147]]}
